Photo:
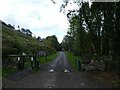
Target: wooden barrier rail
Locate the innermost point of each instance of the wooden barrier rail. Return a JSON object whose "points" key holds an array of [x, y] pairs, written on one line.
{"points": [[21, 61]]}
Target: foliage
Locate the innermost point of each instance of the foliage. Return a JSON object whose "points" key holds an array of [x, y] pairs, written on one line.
{"points": [[52, 42], [8, 70], [15, 42], [72, 59], [94, 32], [49, 58]]}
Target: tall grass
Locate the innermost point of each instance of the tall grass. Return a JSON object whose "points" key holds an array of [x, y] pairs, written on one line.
{"points": [[43, 59], [72, 59]]}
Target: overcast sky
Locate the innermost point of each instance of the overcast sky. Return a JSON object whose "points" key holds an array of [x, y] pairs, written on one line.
{"points": [[42, 17]]}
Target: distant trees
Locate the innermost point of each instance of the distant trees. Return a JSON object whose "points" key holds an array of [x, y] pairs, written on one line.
{"points": [[3, 23], [8, 25], [26, 32], [23, 30], [18, 27], [52, 42], [39, 39]]}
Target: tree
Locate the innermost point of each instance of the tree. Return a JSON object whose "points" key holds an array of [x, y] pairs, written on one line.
{"points": [[39, 38], [95, 29], [52, 42], [10, 26], [18, 27], [28, 32]]}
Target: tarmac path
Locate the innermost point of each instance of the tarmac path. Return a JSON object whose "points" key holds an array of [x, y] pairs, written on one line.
{"points": [[56, 74]]}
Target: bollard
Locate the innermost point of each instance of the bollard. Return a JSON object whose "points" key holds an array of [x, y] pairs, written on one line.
{"points": [[23, 62], [37, 65], [34, 61], [19, 65], [79, 65], [46, 57], [32, 64]]}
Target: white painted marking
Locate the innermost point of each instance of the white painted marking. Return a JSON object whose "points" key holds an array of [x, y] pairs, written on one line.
{"points": [[18, 58], [66, 71], [51, 70], [31, 58], [82, 84], [49, 87]]}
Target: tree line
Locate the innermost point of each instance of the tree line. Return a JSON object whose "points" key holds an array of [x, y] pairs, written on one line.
{"points": [[15, 42], [21, 40], [94, 33], [50, 41]]}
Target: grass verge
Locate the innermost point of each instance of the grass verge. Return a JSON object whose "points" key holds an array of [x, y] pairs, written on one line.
{"points": [[8, 70], [43, 60], [72, 59]]}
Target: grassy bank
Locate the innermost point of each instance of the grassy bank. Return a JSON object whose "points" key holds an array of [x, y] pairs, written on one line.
{"points": [[72, 59], [8, 70], [15, 42]]}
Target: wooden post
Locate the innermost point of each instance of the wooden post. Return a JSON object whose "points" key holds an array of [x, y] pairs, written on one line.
{"points": [[37, 65], [32, 64], [19, 66]]}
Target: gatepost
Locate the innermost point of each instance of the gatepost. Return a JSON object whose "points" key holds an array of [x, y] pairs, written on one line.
{"points": [[19, 65], [34, 61], [23, 60], [32, 64], [37, 65], [79, 65], [45, 56]]}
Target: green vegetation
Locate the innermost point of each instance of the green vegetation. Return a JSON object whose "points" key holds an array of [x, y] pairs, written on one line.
{"points": [[43, 60], [8, 70], [15, 42], [0, 71], [52, 41], [94, 33], [72, 59]]}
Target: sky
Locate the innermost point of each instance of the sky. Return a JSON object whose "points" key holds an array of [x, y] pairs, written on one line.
{"points": [[42, 17]]}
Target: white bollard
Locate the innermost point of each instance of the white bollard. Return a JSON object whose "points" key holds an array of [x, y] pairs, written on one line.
{"points": [[18, 58], [31, 58]]}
